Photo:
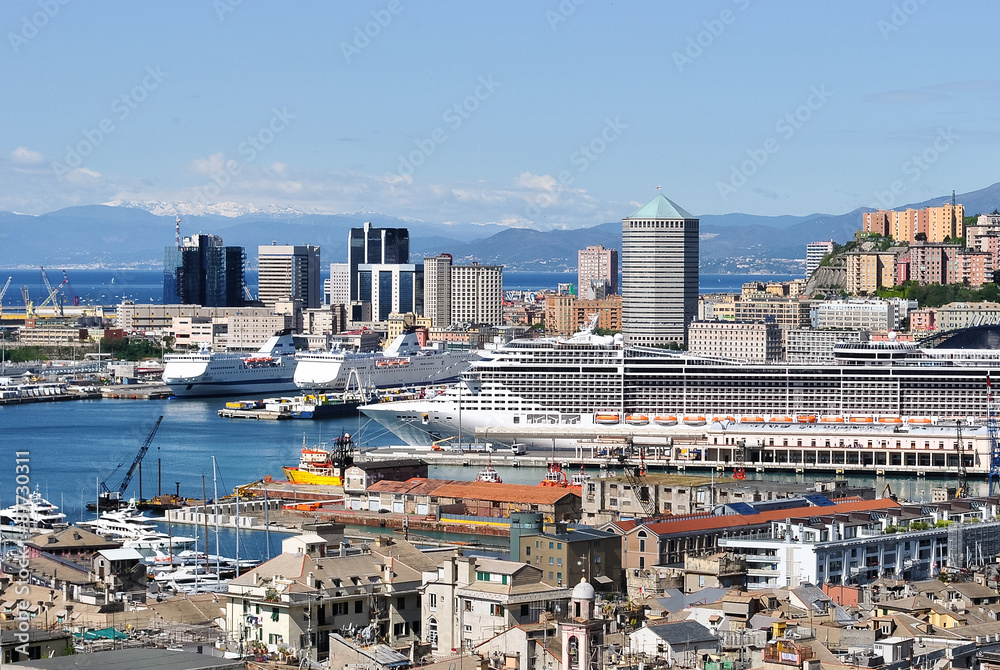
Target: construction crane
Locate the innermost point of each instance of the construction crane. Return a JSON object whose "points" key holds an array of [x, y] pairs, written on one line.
{"points": [[3, 292], [634, 474], [963, 475], [113, 497], [69, 290], [991, 428], [53, 293]]}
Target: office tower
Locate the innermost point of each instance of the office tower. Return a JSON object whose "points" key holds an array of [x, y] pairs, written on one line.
{"points": [[201, 271], [477, 294], [596, 264], [659, 274], [387, 288], [815, 251], [437, 290], [289, 273], [369, 245], [340, 284]]}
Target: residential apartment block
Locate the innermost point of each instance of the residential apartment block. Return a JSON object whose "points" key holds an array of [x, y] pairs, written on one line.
{"points": [[815, 251], [289, 273], [936, 223], [869, 315], [597, 272], [868, 271], [566, 314], [758, 342], [477, 294]]}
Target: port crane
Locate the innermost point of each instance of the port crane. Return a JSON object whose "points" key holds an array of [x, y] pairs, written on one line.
{"points": [[634, 472], [114, 497], [963, 474], [3, 292]]}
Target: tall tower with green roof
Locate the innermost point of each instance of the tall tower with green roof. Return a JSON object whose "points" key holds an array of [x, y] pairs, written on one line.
{"points": [[659, 274]]}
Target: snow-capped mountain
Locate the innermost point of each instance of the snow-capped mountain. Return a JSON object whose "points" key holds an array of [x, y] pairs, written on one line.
{"points": [[227, 209]]}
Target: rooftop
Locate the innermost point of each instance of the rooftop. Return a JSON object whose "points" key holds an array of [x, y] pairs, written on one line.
{"points": [[661, 207]]}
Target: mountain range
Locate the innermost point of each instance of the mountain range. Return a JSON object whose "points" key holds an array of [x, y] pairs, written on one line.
{"points": [[129, 234]]}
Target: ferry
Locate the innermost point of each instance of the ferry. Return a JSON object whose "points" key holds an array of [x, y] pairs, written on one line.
{"points": [[271, 369], [403, 363], [321, 465], [583, 386]]}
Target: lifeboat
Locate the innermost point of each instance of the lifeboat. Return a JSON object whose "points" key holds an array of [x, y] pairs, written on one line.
{"points": [[832, 419], [780, 419], [890, 419], [636, 419], [666, 420], [919, 420], [861, 419], [607, 419], [805, 418], [695, 420], [751, 419], [720, 419]]}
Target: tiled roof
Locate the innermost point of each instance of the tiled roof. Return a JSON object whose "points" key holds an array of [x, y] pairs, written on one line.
{"points": [[72, 537], [510, 493], [708, 523]]}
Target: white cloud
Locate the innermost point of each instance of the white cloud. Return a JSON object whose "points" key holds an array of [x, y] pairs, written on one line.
{"points": [[25, 156]]}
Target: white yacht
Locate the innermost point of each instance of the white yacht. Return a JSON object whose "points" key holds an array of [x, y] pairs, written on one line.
{"points": [[403, 363], [32, 512], [137, 531], [270, 369]]}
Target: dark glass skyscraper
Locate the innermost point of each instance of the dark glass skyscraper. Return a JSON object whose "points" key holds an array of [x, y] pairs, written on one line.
{"points": [[203, 272], [374, 246]]}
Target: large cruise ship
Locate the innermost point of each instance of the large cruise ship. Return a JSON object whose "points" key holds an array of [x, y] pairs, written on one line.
{"points": [[403, 363], [270, 369], [591, 385]]}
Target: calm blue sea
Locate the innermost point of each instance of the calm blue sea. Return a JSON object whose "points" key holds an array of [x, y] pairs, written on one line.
{"points": [[110, 287]]}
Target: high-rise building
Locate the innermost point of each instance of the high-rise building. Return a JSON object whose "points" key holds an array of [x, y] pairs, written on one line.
{"points": [[288, 272], [596, 264], [935, 224], [370, 245], [659, 274], [477, 294], [387, 288], [815, 251], [340, 284], [201, 271], [437, 290]]}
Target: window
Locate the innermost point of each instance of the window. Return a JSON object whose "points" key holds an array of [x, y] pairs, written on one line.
{"points": [[551, 560], [559, 561], [496, 610], [432, 633], [432, 601], [527, 551], [274, 614], [552, 545], [468, 605], [400, 603]]}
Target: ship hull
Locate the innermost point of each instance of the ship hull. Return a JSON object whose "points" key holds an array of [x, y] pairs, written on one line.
{"points": [[297, 476], [316, 373]]}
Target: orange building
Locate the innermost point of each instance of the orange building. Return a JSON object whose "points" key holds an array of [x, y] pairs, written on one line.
{"points": [[937, 223], [565, 314]]}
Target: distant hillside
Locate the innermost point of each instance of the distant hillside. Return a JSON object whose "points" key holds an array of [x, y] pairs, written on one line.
{"points": [[130, 236]]}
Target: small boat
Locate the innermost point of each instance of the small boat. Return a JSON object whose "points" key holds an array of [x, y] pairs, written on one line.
{"points": [[695, 420], [861, 419], [636, 419], [32, 512], [489, 475], [751, 419], [920, 421], [666, 420], [554, 477], [781, 419], [832, 419], [895, 420], [805, 418], [607, 419], [720, 419]]}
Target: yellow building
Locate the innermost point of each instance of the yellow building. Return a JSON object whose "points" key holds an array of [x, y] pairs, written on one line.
{"points": [[869, 271]]}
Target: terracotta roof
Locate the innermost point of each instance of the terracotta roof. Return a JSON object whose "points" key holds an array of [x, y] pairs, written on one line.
{"points": [[708, 523], [511, 493], [71, 537], [414, 485]]}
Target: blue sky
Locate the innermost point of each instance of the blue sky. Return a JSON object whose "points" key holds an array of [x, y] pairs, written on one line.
{"points": [[536, 114]]}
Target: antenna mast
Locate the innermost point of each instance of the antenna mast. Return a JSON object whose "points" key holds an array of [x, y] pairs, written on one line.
{"points": [[177, 233]]}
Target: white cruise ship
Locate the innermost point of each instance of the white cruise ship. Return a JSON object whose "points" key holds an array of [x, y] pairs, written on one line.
{"points": [[270, 369], [403, 363], [590, 383]]}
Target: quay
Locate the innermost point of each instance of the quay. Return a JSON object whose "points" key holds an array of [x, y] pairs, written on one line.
{"points": [[136, 391], [71, 395]]}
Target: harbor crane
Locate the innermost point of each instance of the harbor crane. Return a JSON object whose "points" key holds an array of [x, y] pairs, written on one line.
{"points": [[3, 291], [634, 474], [113, 498], [963, 474]]}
